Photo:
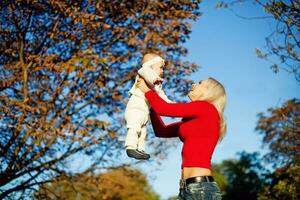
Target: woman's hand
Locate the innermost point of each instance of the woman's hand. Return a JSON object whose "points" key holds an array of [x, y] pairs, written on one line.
{"points": [[141, 84]]}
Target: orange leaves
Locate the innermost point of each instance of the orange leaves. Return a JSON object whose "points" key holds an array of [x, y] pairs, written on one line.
{"points": [[119, 183], [83, 132], [106, 26], [100, 83], [116, 96], [49, 58], [34, 58], [112, 134], [98, 123], [84, 55], [281, 129], [10, 51], [89, 122], [44, 108], [69, 68], [148, 36], [134, 41]]}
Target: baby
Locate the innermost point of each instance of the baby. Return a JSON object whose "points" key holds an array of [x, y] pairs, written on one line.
{"points": [[137, 108]]}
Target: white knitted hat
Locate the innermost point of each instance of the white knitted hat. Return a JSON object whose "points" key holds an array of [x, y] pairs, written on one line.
{"points": [[153, 61]]}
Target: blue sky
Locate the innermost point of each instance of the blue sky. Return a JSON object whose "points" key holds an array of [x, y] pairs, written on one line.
{"points": [[224, 45]]}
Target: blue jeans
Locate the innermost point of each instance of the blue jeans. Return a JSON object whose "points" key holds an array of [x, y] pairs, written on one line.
{"points": [[200, 191]]}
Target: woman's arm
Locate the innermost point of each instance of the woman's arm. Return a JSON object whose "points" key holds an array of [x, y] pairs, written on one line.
{"points": [[162, 130], [162, 94], [162, 108]]}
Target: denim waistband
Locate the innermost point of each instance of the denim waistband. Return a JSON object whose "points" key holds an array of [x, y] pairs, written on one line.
{"points": [[196, 179]]}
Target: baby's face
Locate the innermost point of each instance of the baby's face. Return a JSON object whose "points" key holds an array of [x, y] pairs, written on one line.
{"points": [[158, 68]]}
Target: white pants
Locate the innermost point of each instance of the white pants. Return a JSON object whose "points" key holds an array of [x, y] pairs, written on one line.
{"points": [[136, 116]]}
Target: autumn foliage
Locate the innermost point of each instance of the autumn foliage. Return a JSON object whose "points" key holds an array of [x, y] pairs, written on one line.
{"points": [[121, 183], [65, 69]]}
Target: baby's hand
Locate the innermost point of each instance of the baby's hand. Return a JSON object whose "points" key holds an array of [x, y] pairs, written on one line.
{"points": [[158, 81]]}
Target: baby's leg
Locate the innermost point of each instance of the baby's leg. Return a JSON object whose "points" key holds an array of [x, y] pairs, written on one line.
{"points": [[134, 119], [142, 139], [131, 140]]}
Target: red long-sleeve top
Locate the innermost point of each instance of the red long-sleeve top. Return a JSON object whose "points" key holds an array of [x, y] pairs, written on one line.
{"points": [[198, 129]]}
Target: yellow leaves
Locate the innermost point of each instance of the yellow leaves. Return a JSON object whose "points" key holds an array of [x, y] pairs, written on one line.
{"points": [[161, 5], [89, 122], [106, 26], [260, 54], [100, 84], [49, 62], [65, 35], [44, 109], [83, 132], [134, 41], [112, 134], [4, 109], [92, 17], [6, 83], [68, 10], [98, 123], [69, 68], [84, 144], [85, 60], [87, 51], [95, 140], [83, 18], [116, 96], [10, 51], [31, 1], [56, 131], [148, 36], [120, 183], [189, 25], [99, 5]]}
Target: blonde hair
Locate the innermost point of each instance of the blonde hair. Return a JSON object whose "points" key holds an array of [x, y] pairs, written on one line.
{"points": [[216, 95]]}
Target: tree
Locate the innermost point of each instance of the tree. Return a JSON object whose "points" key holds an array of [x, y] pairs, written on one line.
{"points": [[121, 183], [283, 44], [173, 198], [245, 176], [280, 129], [65, 69], [281, 134], [220, 178], [283, 184]]}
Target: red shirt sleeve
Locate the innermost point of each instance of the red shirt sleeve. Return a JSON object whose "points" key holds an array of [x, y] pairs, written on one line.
{"points": [[162, 108], [162, 130]]}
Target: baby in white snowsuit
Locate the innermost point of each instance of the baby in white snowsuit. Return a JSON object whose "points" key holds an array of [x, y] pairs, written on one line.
{"points": [[137, 109]]}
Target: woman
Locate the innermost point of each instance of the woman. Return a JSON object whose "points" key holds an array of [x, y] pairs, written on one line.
{"points": [[200, 129]]}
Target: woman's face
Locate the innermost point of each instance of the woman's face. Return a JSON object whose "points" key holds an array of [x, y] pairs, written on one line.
{"points": [[198, 90]]}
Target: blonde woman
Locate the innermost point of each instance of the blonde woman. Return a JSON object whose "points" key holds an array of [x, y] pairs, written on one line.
{"points": [[200, 129]]}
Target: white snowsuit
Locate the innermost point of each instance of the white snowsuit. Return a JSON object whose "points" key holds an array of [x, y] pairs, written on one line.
{"points": [[137, 111]]}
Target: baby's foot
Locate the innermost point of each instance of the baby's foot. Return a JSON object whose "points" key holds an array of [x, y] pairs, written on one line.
{"points": [[137, 154]]}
